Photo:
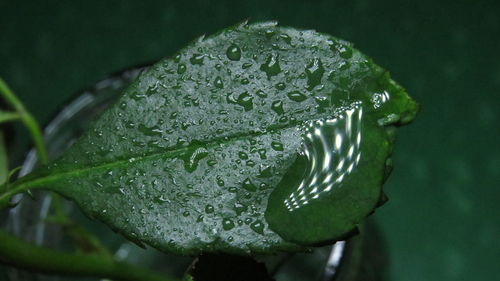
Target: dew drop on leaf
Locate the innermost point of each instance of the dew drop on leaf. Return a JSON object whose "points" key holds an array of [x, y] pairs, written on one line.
{"points": [[280, 86], [220, 181], [218, 82], [197, 59], [277, 106], [271, 66], [261, 94], [314, 72], [193, 157], [286, 38], [278, 146], [257, 226], [209, 209], [233, 52], [181, 68], [242, 155], [245, 100], [239, 208], [246, 65], [150, 131], [248, 185], [296, 96], [227, 224]]}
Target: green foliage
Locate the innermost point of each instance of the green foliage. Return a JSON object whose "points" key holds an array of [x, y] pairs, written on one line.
{"points": [[206, 151]]}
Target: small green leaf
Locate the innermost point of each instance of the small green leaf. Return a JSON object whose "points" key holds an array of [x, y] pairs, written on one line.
{"points": [[243, 142]]}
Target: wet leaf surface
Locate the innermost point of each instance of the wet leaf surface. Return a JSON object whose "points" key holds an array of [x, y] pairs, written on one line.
{"points": [[255, 140]]}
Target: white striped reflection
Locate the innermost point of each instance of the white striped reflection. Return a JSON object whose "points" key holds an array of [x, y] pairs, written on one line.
{"points": [[332, 149]]}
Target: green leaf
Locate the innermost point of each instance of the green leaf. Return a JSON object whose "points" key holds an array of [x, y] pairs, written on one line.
{"points": [[206, 151]]}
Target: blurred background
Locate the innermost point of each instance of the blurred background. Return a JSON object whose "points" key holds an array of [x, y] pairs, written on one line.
{"points": [[442, 221]]}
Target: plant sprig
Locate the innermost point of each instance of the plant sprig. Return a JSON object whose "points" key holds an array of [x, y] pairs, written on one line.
{"points": [[95, 260], [26, 118]]}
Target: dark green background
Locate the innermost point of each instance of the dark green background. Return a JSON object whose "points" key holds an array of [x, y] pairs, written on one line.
{"points": [[442, 222]]}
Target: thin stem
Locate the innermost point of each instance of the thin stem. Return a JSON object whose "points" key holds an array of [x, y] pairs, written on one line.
{"points": [[21, 254], [4, 168], [36, 134], [27, 119], [6, 116], [6, 194]]}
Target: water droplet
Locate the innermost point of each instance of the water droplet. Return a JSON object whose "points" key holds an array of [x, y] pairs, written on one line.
{"points": [[150, 131], [233, 52], [227, 224], [278, 146], [248, 185], [246, 101], [323, 103], [378, 99], [218, 82], [345, 52], [137, 96], [269, 33], [280, 86], [220, 181], [246, 65], [261, 94], [266, 171], [161, 199], [286, 38], [314, 72], [192, 158], [197, 59], [239, 208], [242, 155], [271, 67], [152, 90], [296, 96], [209, 209], [264, 186], [343, 65], [262, 153], [257, 226], [277, 106], [181, 68]]}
